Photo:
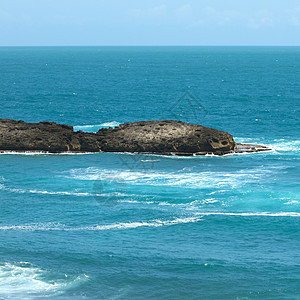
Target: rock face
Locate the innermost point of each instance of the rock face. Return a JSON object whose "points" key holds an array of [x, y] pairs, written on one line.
{"points": [[165, 137], [157, 137], [44, 136]]}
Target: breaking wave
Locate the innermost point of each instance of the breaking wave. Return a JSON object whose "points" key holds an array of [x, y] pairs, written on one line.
{"points": [[22, 280], [282, 145], [96, 127]]}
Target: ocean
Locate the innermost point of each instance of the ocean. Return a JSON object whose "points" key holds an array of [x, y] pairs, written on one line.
{"points": [[136, 226]]}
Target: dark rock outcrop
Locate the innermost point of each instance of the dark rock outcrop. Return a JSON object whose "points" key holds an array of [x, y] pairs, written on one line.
{"points": [[157, 137], [165, 137], [44, 136]]}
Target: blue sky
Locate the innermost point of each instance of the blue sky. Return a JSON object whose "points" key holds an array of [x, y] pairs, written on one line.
{"points": [[149, 22]]}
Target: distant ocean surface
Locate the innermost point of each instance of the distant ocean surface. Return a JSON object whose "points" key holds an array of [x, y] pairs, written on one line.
{"points": [[129, 226]]}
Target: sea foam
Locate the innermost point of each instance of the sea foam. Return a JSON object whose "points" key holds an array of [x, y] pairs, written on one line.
{"points": [[96, 127], [61, 193], [136, 224], [22, 280], [122, 225], [204, 179]]}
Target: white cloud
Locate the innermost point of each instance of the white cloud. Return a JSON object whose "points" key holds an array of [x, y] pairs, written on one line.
{"points": [[192, 15], [262, 18], [206, 15], [211, 15], [184, 11], [294, 16], [151, 12]]}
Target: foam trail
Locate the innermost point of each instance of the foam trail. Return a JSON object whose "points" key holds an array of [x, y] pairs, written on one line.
{"points": [[261, 214], [131, 225], [154, 223], [204, 179], [128, 225], [33, 152], [62, 193]]}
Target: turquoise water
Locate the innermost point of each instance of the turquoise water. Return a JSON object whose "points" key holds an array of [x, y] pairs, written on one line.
{"points": [[124, 226]]}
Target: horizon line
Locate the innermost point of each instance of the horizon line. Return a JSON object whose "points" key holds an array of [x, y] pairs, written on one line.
{"points": [[2, 46]]}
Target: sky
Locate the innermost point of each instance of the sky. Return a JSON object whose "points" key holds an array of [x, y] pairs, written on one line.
{"points": [[149, 22]]}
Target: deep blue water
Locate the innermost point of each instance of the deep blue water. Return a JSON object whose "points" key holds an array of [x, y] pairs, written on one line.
{"points": [[123, 226]]}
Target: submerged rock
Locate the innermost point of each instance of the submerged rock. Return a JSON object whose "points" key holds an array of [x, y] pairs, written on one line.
{"points": [[157, 137]]}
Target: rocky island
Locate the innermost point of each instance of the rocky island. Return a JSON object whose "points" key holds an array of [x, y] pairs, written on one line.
{"points": [[166, 137]]}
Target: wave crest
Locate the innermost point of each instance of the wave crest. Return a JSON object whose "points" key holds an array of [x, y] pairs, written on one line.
{"points": [[127, 225], [96, 127], [23, 278]]}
